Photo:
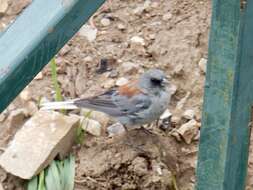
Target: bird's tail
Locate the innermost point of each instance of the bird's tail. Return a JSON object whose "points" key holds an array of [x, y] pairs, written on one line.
{"points": [[65, 105]]}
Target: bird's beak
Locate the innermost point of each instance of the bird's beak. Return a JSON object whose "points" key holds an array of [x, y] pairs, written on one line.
{"points": [[165, 81]]}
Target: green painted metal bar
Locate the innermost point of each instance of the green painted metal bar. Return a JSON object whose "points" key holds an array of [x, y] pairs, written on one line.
{"points": [[225, 132], [35, 37]]}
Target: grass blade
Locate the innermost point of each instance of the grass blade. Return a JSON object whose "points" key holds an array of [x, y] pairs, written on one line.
{"points": [[33, 183], [42, 181], [53, 181], [55, 81], [69, 173]]}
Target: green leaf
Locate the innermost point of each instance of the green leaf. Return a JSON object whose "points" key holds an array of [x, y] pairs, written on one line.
{"points": [[56, 85], [69, 173], [33, 183], [55, 81], [79, 134], [53, 180], [42, 181]]}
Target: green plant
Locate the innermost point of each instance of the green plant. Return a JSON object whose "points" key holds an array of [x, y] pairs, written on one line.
{"points": [[80, 133], [58, 176], [54, 77]]}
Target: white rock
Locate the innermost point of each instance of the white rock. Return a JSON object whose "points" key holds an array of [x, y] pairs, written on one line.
{"points": [[129, 68], [152, 36], [109, 83], [31, 108], [178, 69], [38, 142], [121, 81], [39, 76], [3, 6], [189, 114], [167, 16], [89, 32], [202, 64], [166, 114], [138, 40], [101, 117], [3, 115], [188, 131], [25, 95], [105, 22], [121, 26], [88, 59], [91, 126], [172, 89], [115, 129]]}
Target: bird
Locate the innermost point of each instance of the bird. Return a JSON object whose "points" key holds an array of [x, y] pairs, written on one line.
{"points": [[136, 103]]}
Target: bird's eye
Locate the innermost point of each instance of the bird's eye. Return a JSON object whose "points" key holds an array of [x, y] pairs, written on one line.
{"points": [[156, 81]]}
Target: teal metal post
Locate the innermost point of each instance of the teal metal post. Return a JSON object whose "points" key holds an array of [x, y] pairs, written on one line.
{"points": [[226, 118], [35, 37]]}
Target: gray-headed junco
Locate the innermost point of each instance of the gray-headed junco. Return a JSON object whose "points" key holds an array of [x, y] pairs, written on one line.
{"points": [[136, 103]]}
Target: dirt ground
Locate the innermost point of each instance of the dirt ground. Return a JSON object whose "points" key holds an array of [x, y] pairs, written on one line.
{"points": [[173, 36]]}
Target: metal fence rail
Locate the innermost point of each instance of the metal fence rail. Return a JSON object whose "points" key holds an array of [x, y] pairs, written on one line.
{"points": [[35, 37]]}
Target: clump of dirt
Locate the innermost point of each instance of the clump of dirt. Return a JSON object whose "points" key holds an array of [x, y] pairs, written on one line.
{"points": [[136, 160]]}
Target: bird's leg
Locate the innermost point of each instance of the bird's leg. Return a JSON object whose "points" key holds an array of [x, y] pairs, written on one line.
{"points": [[157, 123], [125, 127], [147, 131]]}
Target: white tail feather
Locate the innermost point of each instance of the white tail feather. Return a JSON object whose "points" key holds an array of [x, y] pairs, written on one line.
{"points": [[66, 105]]}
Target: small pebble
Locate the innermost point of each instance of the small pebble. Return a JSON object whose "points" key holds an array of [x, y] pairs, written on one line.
{"points": [[138, 40], [202, 64], [188, 131], [113, 74], [121, 81], [189, 114], [121, 26], [173, 89], [166, 114], [167, 16], [115, 129], [109, 83], [89, 32], [91, 126], [129, 68], [105, 22], [25, 95], [39, 76]]}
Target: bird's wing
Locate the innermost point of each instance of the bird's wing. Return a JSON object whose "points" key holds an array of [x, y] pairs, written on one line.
{"points": [[116, 102]]}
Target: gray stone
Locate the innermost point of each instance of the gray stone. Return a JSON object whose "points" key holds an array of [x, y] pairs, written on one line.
{"points": [[38, 142], [115, 129], [91, 126]]}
